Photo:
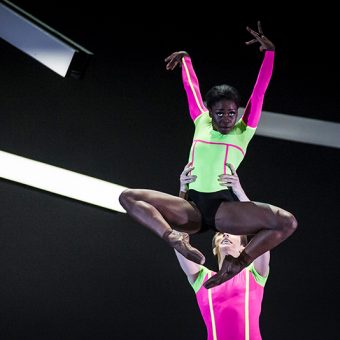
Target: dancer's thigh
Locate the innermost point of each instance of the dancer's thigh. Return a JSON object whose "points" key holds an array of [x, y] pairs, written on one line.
{"points": [[175, 210], [241, 218]]}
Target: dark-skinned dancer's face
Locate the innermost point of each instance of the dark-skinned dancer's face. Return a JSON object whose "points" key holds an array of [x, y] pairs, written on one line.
{"points": [[223, 114]]}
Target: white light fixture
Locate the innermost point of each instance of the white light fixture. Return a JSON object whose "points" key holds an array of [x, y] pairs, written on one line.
{"points": [[61, 181], [41, 42], [298, 129]]}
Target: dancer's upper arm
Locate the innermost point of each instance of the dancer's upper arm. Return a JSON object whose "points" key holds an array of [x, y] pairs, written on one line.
{"points": [[191, 269], [261, 264]]}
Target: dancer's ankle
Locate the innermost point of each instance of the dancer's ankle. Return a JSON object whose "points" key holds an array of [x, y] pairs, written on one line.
{"points": [[166, 234], [245, 259]]}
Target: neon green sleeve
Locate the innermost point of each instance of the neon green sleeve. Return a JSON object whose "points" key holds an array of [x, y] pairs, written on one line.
{"points": [[200, 278], [261, 280]]}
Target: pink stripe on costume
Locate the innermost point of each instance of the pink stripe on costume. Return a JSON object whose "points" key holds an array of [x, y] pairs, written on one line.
{"points": [[225, 159], [253, 108], [193, 154], [233, 145], [191, 86]]}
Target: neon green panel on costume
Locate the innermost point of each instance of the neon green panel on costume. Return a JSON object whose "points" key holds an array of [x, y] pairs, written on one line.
{"points": [[211, 151]]}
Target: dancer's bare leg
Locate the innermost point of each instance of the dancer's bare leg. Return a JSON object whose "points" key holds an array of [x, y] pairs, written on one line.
{"points": [[271, 225], [161, 212]]}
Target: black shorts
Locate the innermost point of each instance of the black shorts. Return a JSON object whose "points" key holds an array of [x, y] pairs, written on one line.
{"points": [[208, 203]]}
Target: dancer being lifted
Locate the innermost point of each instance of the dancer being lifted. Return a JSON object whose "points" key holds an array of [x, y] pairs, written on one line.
{"points": [[219, 138]]}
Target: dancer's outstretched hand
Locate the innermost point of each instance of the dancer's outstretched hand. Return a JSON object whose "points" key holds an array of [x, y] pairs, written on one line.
{"points": [[174, 59], [265, 43]]}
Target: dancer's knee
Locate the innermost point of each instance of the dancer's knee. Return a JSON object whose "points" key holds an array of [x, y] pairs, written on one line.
{"points": [[126, 197], [288, 223]]}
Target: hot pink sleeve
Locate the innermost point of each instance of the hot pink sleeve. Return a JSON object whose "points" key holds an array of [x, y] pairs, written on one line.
{"points": [[252, 112], [191, 86]]}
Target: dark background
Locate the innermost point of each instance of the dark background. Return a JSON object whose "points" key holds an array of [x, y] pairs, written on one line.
{"points": [[69, 270]]}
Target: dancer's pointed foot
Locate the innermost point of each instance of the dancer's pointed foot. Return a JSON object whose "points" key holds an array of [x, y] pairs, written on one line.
{"points": [[231, 266], [180, 242]]}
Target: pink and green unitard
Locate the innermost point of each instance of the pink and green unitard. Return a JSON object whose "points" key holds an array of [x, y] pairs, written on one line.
{"points": [[211, 150], [231, 311]]}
